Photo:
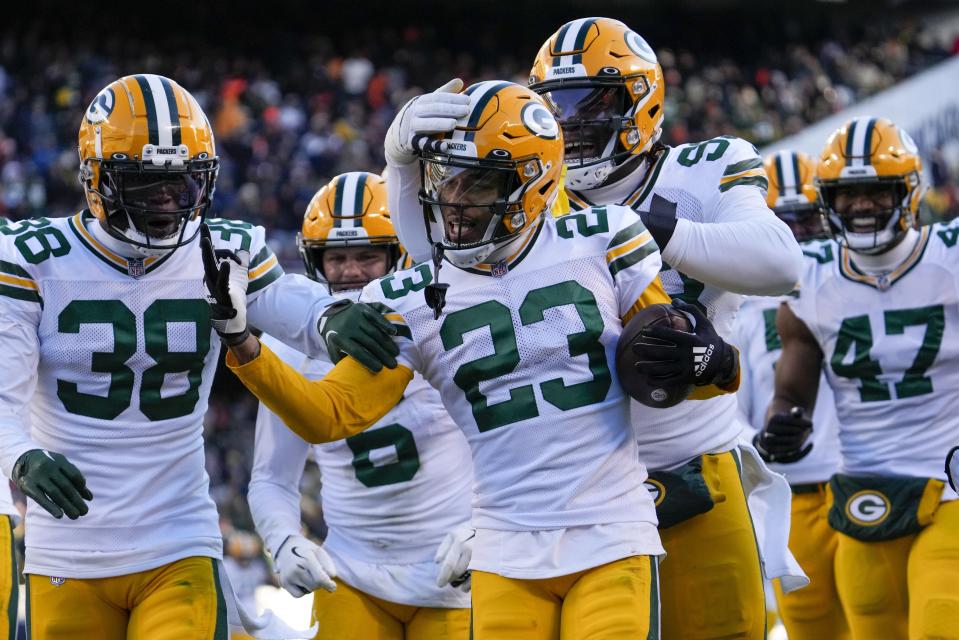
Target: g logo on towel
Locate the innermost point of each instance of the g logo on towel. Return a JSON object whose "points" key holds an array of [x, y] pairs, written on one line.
{"points": [[657, 490], [868, 508]]}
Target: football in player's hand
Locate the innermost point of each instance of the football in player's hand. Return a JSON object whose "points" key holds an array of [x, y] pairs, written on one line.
{"points": [[639, 386]]}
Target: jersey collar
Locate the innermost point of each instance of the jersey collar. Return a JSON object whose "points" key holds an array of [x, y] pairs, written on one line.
{"points": [[849, 270], [501, 267], [134, 267]]}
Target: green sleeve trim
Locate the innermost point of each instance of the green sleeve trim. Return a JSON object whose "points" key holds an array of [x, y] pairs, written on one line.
{"points": [[743, 165], [266, 279], [625, 235], [756, 181], [631, 258], [14, 269], [21, 294], [262, 256]]}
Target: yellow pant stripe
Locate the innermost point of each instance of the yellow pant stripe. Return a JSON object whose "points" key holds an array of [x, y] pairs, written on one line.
{"points": [[11, 589]]}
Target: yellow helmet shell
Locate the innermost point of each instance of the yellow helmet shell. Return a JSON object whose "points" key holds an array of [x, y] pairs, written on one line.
{"points": [[791, 175], [606, 51], [142, 118]]}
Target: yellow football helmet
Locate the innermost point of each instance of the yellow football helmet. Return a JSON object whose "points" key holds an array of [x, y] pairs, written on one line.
{"points": [[349, 211], [870, 157], [791, 194], [148, 164], [494, 175], [606, 87]]}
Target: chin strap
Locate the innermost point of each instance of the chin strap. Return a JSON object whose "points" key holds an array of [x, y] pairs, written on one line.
{"points": [[435, 292]]}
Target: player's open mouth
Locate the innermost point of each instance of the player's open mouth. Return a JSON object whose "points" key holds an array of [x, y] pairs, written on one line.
{"points": [[460, 229], [862, 224], [161, 226], [580, 151]]}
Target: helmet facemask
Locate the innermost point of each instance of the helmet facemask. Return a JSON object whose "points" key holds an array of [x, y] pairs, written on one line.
{"points": [[155, 209], [871, 229], [473, 206]]}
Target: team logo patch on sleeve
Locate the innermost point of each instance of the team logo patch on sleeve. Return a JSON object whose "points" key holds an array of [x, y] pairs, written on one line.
{"points": [[868, 508]]}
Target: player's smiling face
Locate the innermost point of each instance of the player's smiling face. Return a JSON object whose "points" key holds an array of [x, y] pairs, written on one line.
{"points": [[865, 208], [588, 116], [471, 196], [354, 267]]}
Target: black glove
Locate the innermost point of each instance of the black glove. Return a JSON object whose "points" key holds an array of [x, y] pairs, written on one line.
{"points": [[53, 482], [358, 330], [783, 437], [226, 280], [952, 468], [672, 357]]}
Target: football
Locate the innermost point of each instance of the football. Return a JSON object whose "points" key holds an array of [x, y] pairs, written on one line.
{"points": [[636, 385]]}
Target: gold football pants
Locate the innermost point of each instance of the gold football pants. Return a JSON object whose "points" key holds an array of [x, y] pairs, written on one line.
{"points": [[178, 601], [903, 588], [9, 581], [610, 602], [350, 614], [813, 612], [712, 583]]}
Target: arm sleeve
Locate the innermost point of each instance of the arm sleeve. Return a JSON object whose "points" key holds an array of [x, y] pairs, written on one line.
{"points": [[290, 309], [743, 248], [406, 212], [278, 459], [21, 357], [348, 400]]}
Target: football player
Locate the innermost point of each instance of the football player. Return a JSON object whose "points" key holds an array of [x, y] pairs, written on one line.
{"points": [[704, 204], [392, 494], [104, 324], [520, 350], [874, 310], [9, 576], [813, 612]]}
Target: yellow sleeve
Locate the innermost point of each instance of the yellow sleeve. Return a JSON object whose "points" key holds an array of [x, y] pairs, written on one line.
{"points": [[348, 400], [653, 294]]}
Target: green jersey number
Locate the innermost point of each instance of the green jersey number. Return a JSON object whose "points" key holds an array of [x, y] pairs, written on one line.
{"points": [[37, 240], [157, 318], [402, 469], [855, 337], [506, 357], [712, 149]]}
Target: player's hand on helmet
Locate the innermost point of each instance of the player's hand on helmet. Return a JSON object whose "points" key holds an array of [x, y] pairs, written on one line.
{"points": [[304, 566], [358, 330], [784, 437], [225, 276], [673, 357], [425, 114], [952, 468], [453, 555], [53, 483]]}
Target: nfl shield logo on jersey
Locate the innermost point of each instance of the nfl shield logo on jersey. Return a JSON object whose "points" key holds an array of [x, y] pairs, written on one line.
{"points": [[499, 269], [57, 581], [135, 267]]}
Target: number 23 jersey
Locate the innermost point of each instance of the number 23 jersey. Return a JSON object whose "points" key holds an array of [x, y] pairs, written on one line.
{"points": [[888, 352], [123, 367]]}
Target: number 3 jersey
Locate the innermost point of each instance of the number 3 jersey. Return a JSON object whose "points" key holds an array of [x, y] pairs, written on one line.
{"points": [[887, 352], [523, 356], [390, 494], [118, 356]]}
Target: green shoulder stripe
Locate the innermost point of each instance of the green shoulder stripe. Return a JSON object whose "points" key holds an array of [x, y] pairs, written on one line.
{"points": [[631, 258], [13, 269], [21, 294], [627, 234], [757, 181], [266, 279], [743, 165]]}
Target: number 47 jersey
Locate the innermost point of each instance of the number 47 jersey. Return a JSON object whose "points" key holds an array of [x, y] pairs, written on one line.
{"points": [[522, 357], [890, 353], [121, 357]]}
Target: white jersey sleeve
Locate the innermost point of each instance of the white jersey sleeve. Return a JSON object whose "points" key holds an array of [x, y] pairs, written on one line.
{"points": [[402, 186], [740, 245], [283, 305], [632, 256], [279, 456]]}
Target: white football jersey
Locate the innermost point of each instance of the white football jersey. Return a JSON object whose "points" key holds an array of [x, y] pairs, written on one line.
{"points": [[759, 349], [888, 355], [691, 182], [124, 357], [523, 356], [390, 494]]}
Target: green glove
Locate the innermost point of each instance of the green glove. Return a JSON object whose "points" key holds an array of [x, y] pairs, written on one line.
{"points": [[358, 330], [53, 482]]}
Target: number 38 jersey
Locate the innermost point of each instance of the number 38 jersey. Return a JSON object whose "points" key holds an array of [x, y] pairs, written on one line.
{"points": [[523, 359], [887, 354], [123, 358]]}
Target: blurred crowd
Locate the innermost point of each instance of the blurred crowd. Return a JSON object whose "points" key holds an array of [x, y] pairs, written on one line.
{"points": [[287, 122]]}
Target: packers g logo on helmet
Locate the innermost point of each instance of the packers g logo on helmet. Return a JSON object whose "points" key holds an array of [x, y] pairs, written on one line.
{"points": [[605, 86], [540, 121], [351, 210], [868, 508], [101, 107]]}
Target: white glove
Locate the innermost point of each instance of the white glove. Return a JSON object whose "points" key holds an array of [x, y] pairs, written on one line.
{"points": [[226, 280], [952, 468], [426, 114], [453, 556], [303, 566]]}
